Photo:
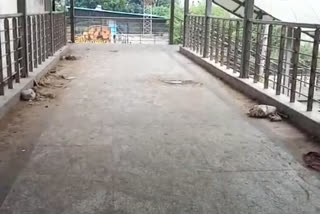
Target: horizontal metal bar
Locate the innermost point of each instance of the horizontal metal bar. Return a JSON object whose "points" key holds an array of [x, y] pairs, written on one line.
{"points": [[228, 19], [289, 24], [14, 15], [36, 14], [115, 18]]}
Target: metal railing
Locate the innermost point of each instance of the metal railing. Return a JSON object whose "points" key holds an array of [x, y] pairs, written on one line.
{"points": [[20, 53], [119, 30], [283, 56]]}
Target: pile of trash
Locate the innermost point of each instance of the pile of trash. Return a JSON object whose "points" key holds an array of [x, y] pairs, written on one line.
{"points": [[265, 111], [69, 58], [44, 88], [312, 160]]}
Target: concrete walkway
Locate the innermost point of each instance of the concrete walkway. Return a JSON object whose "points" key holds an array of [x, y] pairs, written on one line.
{"points": [[120, 140]]}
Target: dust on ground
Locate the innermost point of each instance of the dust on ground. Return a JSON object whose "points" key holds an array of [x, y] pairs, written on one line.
{"points": [[20, 127]]}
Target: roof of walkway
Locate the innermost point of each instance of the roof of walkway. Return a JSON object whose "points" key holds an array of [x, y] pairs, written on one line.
{"points": [[306, 11]]}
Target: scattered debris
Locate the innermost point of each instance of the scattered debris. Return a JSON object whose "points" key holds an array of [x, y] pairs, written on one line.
{"points": [[44, 88], [69, 58], [275, 117], [312, 160], [28, 95], [53, 71], [67, 78], [261, 111], [265, 111], [181, 82], [49, 95]]}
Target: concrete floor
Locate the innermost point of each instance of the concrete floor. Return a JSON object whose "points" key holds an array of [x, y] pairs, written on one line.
{"points": [[119, 140]]}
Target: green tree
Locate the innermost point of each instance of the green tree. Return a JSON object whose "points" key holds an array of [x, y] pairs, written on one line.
{"points": [[116, 5]]}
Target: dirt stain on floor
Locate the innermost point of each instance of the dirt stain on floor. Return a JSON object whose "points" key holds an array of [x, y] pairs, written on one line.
{"points": [[25, 122]]}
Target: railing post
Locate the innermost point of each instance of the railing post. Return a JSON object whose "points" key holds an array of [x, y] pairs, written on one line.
{"points": [[15, 26], [236, 48], [65, 23], [247, 31], [171, 30], [7, 41], [216, 55], [288, 60], [208, 12], [186, 21], [194, 31], [1, 70], [295, 61], [198, 29], [72, 20], [313, 70], [212, 38], [22, 8], [280, 60], [51, 27], [30, 44], [201, 35], [258, 55], [229, 43], [223, 30], [268, 57]]}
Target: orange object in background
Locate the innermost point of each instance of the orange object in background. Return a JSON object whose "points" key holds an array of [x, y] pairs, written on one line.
{"points": [[96, 33]]}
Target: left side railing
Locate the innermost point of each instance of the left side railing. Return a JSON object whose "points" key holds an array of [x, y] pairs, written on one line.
{"points": [[20, 53]]}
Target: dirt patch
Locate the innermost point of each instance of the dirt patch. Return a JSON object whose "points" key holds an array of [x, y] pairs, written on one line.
{"points": [[47, 86], [20, 127]]}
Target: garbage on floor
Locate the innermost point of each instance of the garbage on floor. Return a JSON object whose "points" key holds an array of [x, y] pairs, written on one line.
{"points": [[312, 160], [69, 58], [44, 89], [265, 111], [28, 95]]}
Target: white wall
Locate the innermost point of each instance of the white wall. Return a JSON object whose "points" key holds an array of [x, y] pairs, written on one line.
{"points": [[8, 6], [35, 6]]}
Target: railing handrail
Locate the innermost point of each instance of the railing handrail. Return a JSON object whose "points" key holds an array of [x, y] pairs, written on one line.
{"points": [[35, 14], [14, 15], [288, 24], [124, 18], [216, 17], [58, 12]]}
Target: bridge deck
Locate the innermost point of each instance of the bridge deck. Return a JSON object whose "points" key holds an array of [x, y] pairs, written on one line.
{"points": [[120, 139]]}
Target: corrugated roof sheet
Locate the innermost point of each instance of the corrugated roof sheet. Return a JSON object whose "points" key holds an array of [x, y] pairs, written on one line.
{"points": [[306, 11]]}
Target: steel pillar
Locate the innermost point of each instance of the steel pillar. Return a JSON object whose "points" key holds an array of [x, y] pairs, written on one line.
{"points": [[247, 32], [171, 30], [185, 25], [72, 20], [22, 8], [207, 28]]}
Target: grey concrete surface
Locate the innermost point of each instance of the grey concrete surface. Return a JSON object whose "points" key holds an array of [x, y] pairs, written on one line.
{"points": [[119, 140]]}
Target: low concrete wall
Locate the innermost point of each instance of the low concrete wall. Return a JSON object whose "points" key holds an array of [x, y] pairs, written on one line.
{"points": [[12, 96], [307, 121]]}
